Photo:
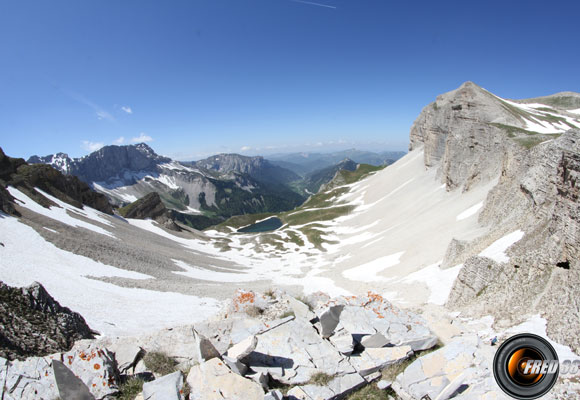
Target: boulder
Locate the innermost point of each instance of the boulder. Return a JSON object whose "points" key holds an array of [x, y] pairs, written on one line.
{"points": [[34, 378], [300, 309], [293, 351], [177, 343], [235, 365], [205, 349], [376, 340], [168, 387], [213, 380], [70, 387], [39, 325], [343, 341], [329, 319], [242, 349]]}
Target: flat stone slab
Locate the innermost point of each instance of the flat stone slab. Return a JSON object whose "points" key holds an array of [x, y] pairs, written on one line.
{"points": [[374, 359], [168, 387], [213, 380], [293, 351], [432, 373]]}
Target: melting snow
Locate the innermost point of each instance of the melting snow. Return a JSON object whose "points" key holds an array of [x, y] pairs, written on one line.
{"points": [[105, 306], [60, 213], [368, 272], [209, 275], [470, 211], [439, 281], [498, 248]]}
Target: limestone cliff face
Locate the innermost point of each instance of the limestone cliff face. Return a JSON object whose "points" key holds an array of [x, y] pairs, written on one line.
{"points": [[457, 137], [471, 136], [537, 193]]}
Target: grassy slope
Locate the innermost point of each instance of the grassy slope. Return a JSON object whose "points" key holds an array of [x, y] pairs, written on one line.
{"points": [[319, 207]]}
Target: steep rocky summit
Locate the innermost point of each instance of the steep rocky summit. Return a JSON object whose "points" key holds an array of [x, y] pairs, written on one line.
{"points": [[26, 177], [531, 148]]}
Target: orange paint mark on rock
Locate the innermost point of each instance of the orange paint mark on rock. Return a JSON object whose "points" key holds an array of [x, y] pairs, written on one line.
{"points": [[97, 366]]}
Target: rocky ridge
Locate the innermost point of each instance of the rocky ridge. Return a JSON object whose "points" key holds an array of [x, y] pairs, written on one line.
{"points": [[33, 323], [16, 172], [472, 136]]}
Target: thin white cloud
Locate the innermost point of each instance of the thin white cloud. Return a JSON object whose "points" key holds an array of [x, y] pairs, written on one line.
{"points": [[128, 110], [142, 138], [314, 4], [245, 148], [119, 141], [99, 111], [91, 146]]}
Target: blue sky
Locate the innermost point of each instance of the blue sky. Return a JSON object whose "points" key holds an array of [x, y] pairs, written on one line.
{"points": [[199, 77]]}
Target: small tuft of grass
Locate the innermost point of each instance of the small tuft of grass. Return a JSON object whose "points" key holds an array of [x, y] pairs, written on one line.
{"points": [[370, 392], [304, 300], [159, 363], [130, 389], [320, 379], [269, 293]]}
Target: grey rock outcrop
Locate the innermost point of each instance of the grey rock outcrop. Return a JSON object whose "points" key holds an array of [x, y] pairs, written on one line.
{"points": [[16, 172], [538, 195], [214, 380], [471, 136], [150, 206], [34, 324]]}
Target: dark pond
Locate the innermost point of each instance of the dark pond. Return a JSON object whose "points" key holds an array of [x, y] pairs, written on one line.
{"points": [[266, 225]]}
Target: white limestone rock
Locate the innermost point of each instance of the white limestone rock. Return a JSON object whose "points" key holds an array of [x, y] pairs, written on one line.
{"points": [[213, 380], [168, 387], [293, 351], [375, 359], [242, 349]]}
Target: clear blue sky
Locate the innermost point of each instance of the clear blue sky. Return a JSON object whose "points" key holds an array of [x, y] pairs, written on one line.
{"points": [[260, 76]]}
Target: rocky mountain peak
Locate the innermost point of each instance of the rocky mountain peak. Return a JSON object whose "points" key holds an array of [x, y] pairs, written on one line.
{"points": [[465, 132]]}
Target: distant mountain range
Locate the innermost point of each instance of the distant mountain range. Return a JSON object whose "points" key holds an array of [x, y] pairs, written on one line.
{"points": [[212, 189], [305, 163]]}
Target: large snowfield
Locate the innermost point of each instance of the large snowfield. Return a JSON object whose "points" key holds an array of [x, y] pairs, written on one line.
{"points": [[392, 244]]}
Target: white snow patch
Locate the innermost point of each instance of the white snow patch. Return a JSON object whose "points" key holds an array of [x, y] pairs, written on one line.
{"points": [[537, 325], [576, 111], [368, 272], [108, 308], [439, 281], [50, 230], [208, 275], [60, 213], [496, 251], [470, 211]]}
